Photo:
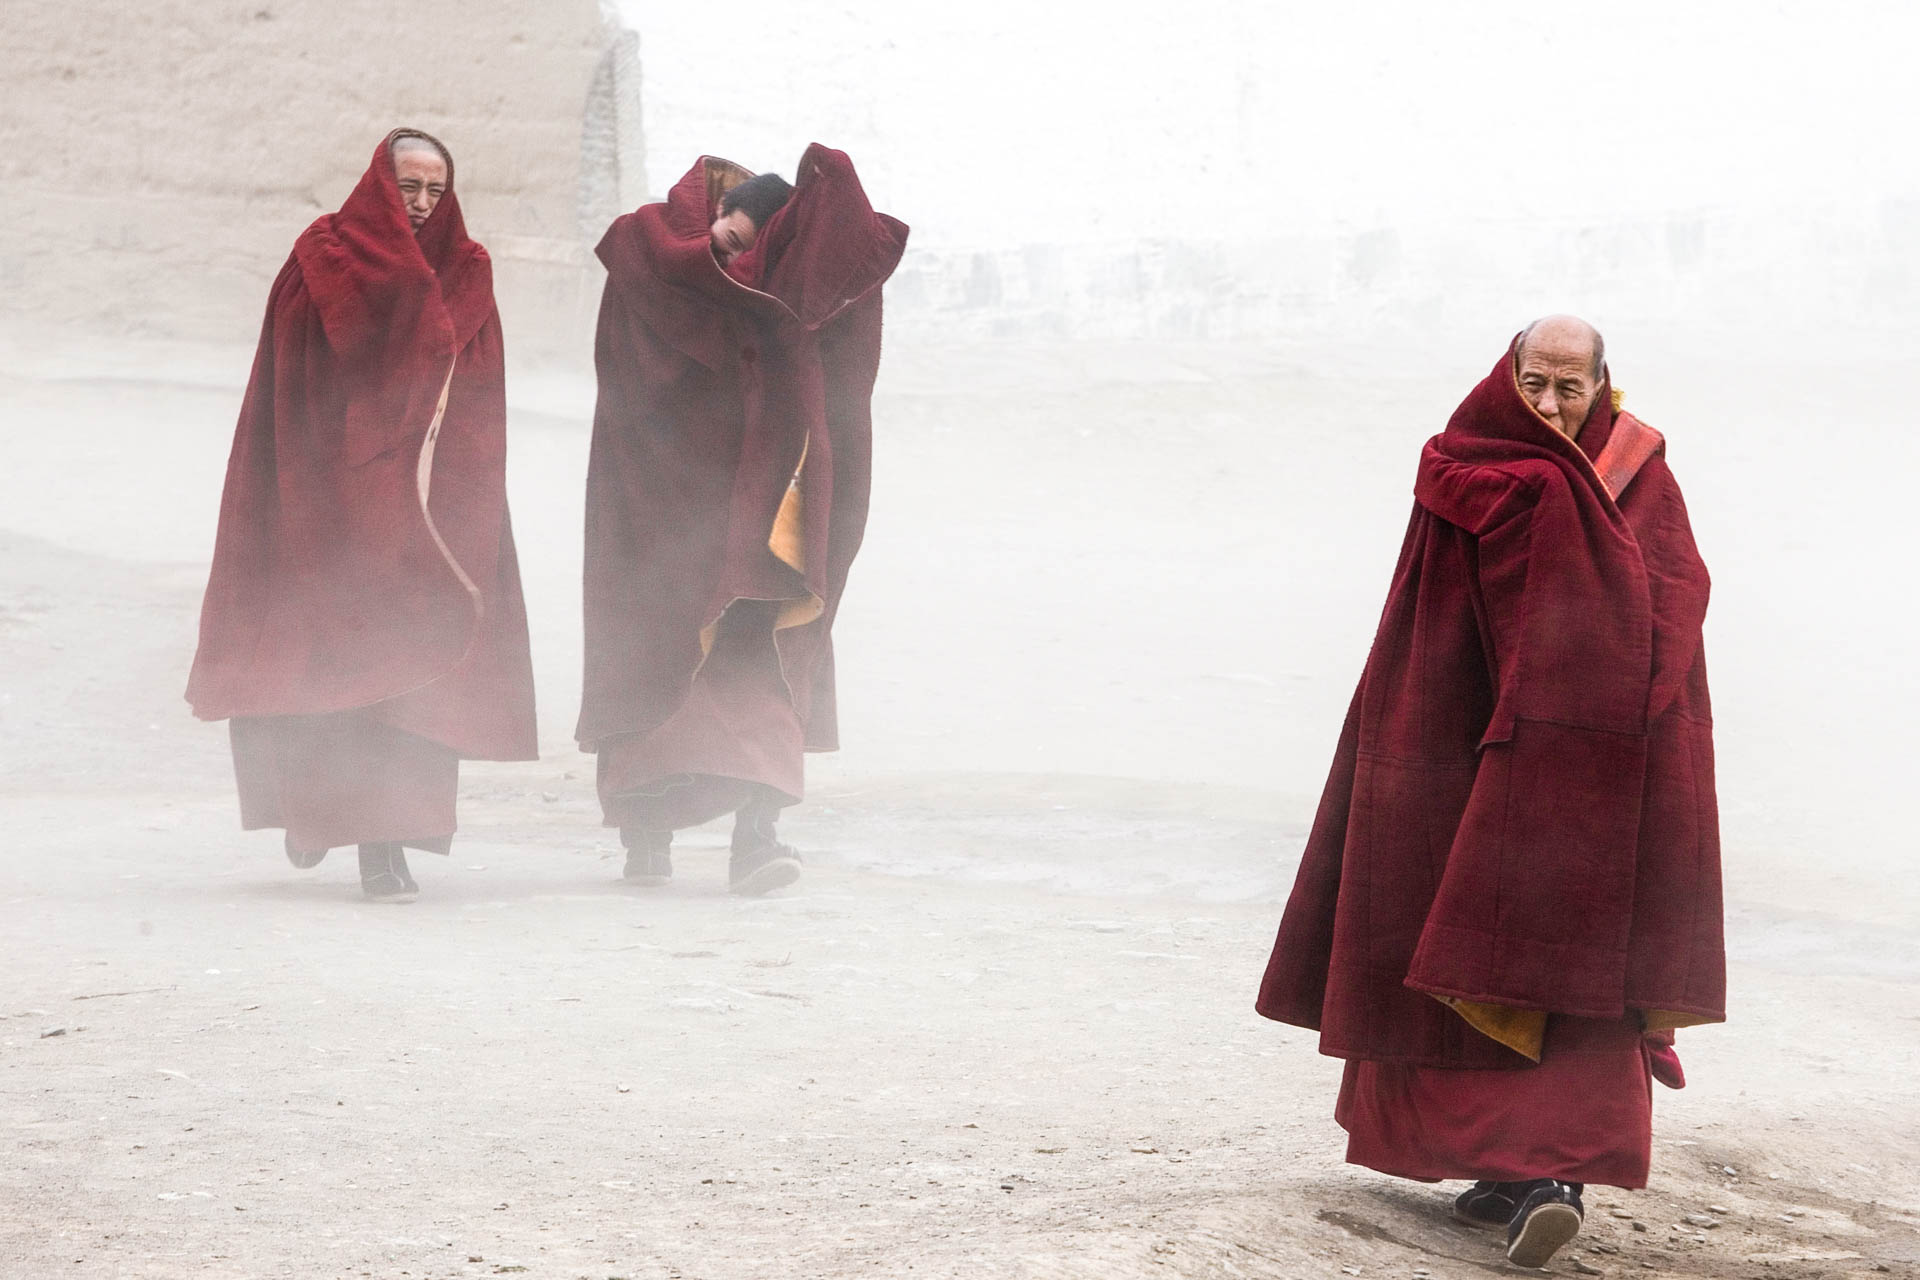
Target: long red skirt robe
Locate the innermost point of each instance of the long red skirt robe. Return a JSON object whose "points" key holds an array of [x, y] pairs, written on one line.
{"points": [[727, 490], [1515, 868], [363, 627]]}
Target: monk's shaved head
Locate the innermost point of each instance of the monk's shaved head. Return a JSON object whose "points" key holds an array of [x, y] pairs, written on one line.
{"points": [[1559, 364], [1563, 332], [424, 171], [417, 142]]}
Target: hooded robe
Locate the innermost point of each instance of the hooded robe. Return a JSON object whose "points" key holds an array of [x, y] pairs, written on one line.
{"points": [[727, 490], [1514, 873], [363, 627]]}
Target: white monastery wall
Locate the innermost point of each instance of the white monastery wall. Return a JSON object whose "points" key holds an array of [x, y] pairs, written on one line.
{"points": [[157, 160]]}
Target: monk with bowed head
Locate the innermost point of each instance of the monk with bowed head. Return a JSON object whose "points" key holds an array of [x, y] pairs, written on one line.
{"points": [[726, 499]]}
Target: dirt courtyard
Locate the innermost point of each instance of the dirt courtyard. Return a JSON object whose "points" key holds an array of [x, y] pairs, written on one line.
{"points": [[1093, 662]]}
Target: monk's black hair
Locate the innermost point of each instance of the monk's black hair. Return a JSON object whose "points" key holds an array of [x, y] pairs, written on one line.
{"points": [[759, 197]]}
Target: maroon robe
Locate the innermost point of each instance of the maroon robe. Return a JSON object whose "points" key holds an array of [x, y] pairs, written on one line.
{"points": [[1520, 818], [363, 626], [1585, 1114], [727, 490]]}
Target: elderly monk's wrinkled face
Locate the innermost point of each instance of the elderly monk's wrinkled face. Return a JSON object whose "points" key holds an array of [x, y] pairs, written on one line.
{"points": [[1556, 374], [422, 175], [732, 235]]}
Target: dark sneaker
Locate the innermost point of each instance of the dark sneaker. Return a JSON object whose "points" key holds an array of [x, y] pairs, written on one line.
{"points": [[1490, 1204], [1547, 1218], [649, 867], [304, 859], [649, 856], [383, 874], [762, 869]]}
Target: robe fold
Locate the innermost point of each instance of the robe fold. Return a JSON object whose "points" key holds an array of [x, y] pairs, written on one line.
{"points": [[1518, 842], [363, 626], [1585, 1114], [727, 490]]}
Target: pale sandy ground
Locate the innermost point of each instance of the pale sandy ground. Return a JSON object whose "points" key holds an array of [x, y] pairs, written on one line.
{"points": [[1095, 656]]}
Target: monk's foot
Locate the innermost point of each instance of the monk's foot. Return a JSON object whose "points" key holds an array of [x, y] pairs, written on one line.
{"points": [[1490, 1205], [383, 874], [648, 866], [762, 869], [649, 856], [304, 859], [1548, 1217]]}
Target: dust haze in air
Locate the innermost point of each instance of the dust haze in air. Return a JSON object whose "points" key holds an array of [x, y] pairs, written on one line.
{"points": [[1185, 293]]}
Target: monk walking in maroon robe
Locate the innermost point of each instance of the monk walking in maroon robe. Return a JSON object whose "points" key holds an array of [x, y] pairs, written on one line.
{"points": [[1511, 894], [363, 628], [726, 498]]}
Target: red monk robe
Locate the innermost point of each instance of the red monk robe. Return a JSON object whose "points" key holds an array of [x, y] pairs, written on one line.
{"points": [[1514, 874], [727, 490], [363, 626]]}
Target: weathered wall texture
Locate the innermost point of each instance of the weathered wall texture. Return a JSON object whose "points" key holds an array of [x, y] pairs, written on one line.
{"points": [[1825, 280], [157, 160]]}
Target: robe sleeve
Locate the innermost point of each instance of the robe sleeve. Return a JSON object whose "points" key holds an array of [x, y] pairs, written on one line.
{"points": [[1535, 900]]}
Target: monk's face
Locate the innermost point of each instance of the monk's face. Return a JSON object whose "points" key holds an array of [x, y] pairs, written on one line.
{"points": [[1556, 376], [732, 235], [422, 175]]}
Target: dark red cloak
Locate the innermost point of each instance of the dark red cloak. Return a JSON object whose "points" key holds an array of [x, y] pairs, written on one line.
{"points": [[722, 406], [336, 585], [1521, 808]]}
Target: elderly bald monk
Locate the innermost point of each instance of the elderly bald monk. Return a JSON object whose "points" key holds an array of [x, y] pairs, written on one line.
{"points": [[1510, 896], [363, 629]]}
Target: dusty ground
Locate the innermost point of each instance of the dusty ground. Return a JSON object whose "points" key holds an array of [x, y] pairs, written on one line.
{"points": [[1095, 655]]}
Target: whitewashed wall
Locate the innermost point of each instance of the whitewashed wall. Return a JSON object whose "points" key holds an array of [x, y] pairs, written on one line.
{"points": [[158, 160], [1245, 168]]}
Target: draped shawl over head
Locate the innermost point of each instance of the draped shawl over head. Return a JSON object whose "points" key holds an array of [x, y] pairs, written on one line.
{"points": [[1520, 818], [364, 557], [732, 439]]}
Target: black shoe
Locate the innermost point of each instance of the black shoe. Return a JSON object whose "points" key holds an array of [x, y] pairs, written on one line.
{"points": [[762, 869], [754, 824], [760, 863], [1548, 1217], [1490, 1204], [383, 874], [304, 859], [649, 856]]}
